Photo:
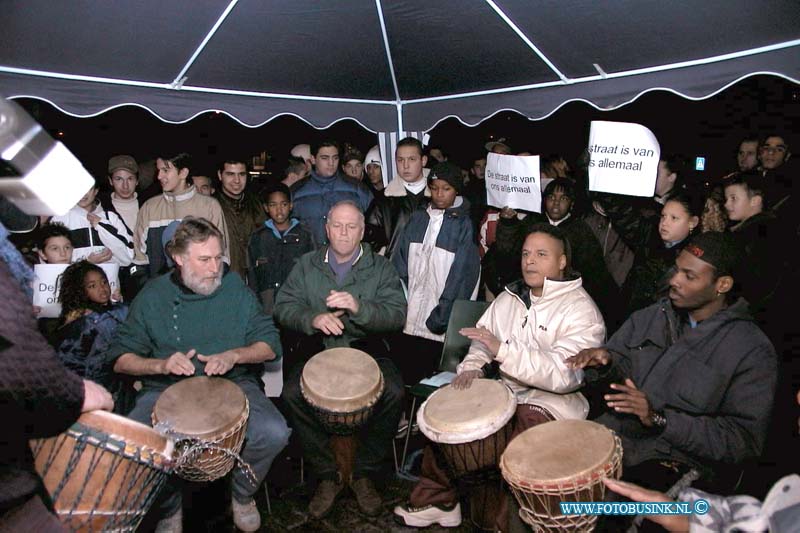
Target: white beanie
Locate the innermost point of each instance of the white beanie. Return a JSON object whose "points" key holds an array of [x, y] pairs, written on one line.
{"points": [[373, 157], [303, 151]]}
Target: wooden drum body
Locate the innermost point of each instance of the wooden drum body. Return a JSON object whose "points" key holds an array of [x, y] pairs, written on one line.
{"points": [[207, 417], [471, 425], [561, 461], [342, 385], [103, 472]]}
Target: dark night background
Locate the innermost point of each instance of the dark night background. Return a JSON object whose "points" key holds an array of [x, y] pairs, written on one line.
{"points": [[710, 128]]}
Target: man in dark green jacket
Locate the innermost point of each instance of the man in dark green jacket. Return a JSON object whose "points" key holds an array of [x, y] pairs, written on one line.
{"points": [[198, 321], [344, 295]]}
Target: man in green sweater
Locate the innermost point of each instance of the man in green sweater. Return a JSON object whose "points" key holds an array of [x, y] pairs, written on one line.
{"points": [[344, 295], [196, 321]]}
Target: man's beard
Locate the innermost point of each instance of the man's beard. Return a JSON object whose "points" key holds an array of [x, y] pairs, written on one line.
{"points": [[205, 286]]}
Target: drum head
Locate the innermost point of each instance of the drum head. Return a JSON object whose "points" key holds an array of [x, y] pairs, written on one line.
{"points": [[557, 451], [453, 416], [200, 406], [341, 380]]}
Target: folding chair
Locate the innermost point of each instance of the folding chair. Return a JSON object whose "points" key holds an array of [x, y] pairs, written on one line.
{"points": [[465, 314]]}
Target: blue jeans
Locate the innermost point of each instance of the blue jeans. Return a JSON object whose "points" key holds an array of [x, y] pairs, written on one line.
{"points": [[267, 434]]}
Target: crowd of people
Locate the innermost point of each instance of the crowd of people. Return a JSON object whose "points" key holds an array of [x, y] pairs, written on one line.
{"points": [[665, 319]]}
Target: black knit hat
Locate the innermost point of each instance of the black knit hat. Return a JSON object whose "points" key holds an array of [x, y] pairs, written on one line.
{"points": [[448, 172], [720, 250]]}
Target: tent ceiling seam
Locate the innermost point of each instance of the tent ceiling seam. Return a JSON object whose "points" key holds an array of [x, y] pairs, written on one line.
{"points": [[387, 48], [177, 83], [191, 88], [622, 74], [621, 104], [527, 41]]}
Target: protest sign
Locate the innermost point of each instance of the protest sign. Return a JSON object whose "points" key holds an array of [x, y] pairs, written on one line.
{"points": [[47, 285], [623, 158], [513, 181]]}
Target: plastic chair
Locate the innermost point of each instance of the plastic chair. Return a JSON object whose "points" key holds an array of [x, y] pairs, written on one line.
{"points": [[465, 314]]}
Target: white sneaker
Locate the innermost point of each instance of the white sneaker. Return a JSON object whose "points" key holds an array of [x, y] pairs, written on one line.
{"points": [[246, 515], [445, 516]]}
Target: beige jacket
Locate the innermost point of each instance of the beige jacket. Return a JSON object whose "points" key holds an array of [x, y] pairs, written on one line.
{"points": [[536, 341]]}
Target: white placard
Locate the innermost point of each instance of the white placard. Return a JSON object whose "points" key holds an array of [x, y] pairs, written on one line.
{"points": [[513, 181], [47, 284], [623, 158]]}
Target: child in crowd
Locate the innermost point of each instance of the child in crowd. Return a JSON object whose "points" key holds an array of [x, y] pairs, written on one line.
{"points": [[759, 233], [438, 262], [88, 321], [654, 262], [274, 248], [54, 245], [99, 236]]}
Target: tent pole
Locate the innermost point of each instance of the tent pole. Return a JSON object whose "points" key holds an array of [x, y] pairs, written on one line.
{"points": [[399, 119]]}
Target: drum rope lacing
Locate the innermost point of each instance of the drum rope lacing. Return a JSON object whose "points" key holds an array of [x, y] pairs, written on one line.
{"points": [[126, 517], [189, 448]]}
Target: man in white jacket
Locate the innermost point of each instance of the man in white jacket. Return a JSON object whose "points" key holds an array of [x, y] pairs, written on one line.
{"points": [[528, 332]]}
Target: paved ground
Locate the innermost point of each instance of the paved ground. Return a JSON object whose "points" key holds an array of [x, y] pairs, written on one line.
{"points": [[207, 507]]}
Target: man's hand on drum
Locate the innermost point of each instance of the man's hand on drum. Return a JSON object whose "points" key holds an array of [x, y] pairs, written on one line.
{"points": [[179, 364], [589, 357], [630, 400], [329, 323], [640, 494], [342, 300], [483, 336], [96, 397], [219, 364], [464, 379]]}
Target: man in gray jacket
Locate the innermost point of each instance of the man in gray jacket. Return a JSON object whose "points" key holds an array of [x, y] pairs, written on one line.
{"points": [[692, 378]]}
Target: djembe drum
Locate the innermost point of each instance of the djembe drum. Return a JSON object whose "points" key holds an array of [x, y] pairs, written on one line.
{"points": [[561, 461], [342, 385], [103, 472], [207, 418], [471, 428]]}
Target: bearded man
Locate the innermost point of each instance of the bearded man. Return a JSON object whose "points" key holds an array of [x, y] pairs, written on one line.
{"points": [[198, 320]]}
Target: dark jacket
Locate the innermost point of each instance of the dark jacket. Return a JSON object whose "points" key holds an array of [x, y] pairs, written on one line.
{"points": [[389, 215], [242, 217], [714, 383], [82, 344], [372, 280], [767, 243], [439, 273], [272, 255], [636, 220], [313, 197]]}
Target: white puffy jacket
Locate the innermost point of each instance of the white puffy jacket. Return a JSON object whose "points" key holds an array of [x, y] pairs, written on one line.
{"points": [[536, 341]]}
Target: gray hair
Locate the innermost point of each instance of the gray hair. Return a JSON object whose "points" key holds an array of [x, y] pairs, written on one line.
{"points": [[352, 204], [192, 229]]}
